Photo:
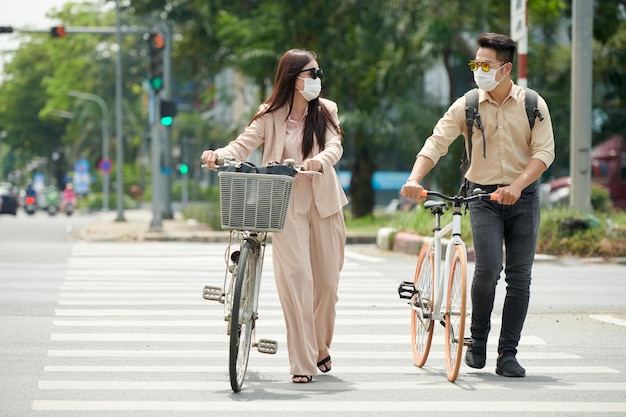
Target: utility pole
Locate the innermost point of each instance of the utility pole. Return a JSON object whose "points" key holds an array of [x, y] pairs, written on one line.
{"points": [[519, 33], [581, 96], [118, 118]]}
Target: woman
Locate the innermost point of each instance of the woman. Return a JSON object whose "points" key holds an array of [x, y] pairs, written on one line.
{"points": [[294, 122]]}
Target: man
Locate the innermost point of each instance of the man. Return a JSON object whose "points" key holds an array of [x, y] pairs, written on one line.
{"points": [[513, 159]]}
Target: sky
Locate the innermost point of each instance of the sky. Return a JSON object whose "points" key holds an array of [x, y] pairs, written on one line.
{"points": [[25, 14]]}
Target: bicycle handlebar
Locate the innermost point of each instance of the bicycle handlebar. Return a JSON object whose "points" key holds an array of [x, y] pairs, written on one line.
{"points": [[478, 194], [227, 160]]}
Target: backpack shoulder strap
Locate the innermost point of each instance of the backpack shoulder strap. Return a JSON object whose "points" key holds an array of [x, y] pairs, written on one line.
{"points": [[471, 113], [532, 111]]}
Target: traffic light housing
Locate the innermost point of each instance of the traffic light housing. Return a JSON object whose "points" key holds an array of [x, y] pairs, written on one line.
{"points": [[183, 169], [57, 31], [167, 112], [156, 46]]}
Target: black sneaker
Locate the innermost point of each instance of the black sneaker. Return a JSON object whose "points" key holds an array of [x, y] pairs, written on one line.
{"points": [[476, 355], [509, 366]]}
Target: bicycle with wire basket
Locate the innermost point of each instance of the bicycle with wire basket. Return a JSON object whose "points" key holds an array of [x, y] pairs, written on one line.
{"points": [[252, 204], [426, 291]]}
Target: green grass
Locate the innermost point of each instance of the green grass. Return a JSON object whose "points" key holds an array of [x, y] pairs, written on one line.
{"points": [[603, 233]]}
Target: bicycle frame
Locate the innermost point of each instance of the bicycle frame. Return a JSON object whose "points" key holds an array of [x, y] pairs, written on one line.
{"points": [[454, 228], [259, 242], [433, 272]]}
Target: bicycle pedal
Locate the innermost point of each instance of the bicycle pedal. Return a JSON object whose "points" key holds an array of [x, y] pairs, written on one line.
{"points": [[468, 341], [267, 346], [213, 293], [407, 290]]}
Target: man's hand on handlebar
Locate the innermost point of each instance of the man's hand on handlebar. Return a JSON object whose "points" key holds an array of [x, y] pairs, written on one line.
{"points": [[412, 190]]}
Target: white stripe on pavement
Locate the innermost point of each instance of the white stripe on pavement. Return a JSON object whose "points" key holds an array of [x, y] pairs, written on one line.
{"points": [[332, 406], [320, 385], [271, 370], [337, 354], [608, 319], [370, 339]]}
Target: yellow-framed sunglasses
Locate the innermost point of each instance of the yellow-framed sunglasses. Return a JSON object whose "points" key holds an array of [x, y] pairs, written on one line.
{"points": [[485, 66]]}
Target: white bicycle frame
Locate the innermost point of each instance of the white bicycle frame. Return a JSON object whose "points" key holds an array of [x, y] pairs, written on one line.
{"points": [[453, 227], [229, 276]]}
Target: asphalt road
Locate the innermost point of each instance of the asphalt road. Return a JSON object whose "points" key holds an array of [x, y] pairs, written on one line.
{"points": [[103, 329]]}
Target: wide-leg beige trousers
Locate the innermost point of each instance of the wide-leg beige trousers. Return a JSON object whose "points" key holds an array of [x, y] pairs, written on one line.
{"points": [[308, 256]]}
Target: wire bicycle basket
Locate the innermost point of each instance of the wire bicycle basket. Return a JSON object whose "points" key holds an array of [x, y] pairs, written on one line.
{"points": [[253, 201]]}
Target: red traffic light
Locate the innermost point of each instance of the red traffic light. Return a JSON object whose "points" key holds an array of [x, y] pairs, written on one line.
{"points": [[156, 41], [58, 32]]}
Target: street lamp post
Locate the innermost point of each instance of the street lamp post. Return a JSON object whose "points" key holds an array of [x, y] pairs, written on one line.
{"points": [[105, 140]]}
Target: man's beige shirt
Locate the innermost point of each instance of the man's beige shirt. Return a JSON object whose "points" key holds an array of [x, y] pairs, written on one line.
{"points": [[510, 144]]}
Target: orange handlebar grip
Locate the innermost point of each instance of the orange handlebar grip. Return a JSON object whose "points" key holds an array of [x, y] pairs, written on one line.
{"points": [[493, 196], [424, 193]]}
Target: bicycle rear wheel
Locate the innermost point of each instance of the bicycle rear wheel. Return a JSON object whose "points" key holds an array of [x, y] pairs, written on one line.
{"points": [[455, 312], [242, 316], [422, 324]]}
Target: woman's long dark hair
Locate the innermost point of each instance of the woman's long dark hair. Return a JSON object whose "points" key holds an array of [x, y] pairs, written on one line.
{"points": [[318, 117]]}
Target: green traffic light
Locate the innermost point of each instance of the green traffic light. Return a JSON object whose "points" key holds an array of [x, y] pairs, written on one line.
{"points": [[167, 120], [157, 83], [183, 169]]}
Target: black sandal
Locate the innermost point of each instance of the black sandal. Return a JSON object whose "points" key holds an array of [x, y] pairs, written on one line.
{"points": [[324, 362], [307, 379]]}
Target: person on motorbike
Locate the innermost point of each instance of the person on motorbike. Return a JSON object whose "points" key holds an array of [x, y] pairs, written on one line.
{"points": [[69, 199]]}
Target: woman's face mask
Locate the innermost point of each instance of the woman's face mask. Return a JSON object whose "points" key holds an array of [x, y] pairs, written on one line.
{"points": [[312, 88]]}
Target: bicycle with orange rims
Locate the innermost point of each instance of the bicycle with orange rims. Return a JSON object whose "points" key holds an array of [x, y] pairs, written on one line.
{"points": [[426, 291]]}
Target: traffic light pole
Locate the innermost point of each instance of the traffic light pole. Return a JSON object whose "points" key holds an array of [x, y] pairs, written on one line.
{"points": [[156, 225], [166, 94]]}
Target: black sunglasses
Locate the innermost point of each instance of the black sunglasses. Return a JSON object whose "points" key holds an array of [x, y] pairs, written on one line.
{"points": [[315, 72]]}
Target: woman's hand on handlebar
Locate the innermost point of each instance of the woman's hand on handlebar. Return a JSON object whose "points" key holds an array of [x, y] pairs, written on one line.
{"points": [[312, 165], [412, 190], [209, 158]]}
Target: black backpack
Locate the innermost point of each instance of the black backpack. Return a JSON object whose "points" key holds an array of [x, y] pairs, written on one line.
{"points": [[472, 116]]}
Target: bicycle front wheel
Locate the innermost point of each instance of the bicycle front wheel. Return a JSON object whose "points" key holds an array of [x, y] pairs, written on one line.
{"points": [[242, 316], [455, 312], [422, 325]]}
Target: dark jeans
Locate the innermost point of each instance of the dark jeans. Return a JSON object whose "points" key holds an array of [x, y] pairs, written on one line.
{"points": [[517, 226]]}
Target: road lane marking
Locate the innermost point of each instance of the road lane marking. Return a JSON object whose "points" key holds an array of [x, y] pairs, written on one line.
{"points": [[333, 406], [320, 385], [370, 339], [337, 353], [608, 319], [269, 370]]}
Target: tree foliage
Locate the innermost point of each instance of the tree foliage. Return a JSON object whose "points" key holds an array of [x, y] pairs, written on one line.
{"points": [[375, 56]]}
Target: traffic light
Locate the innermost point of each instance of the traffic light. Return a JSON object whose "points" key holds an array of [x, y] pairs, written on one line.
{"points": [[57, 32], [168, 111], [183, 169], [156, 44]]}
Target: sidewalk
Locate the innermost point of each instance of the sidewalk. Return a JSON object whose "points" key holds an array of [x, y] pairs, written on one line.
{"points": [[137, 228]]}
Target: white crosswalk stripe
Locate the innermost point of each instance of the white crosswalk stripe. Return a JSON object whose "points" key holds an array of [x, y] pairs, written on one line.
{"points": [[131, 333]]}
